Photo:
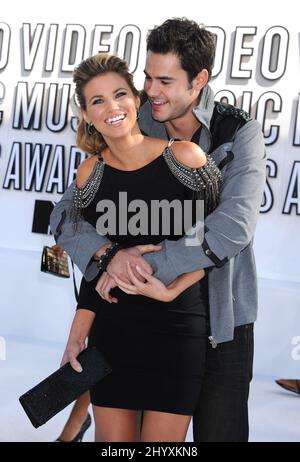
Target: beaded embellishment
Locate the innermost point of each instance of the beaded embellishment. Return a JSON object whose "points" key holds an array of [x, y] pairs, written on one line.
{"points": [[82, 197], [205, 181]]}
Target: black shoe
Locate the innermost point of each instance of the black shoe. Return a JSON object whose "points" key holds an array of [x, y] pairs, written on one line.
{"points": [[78, 438]]}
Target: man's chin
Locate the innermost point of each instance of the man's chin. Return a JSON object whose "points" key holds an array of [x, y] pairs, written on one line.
{"points": [[158, 117]]}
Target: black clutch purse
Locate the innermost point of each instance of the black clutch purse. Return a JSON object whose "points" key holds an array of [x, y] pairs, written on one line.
{"points": [[62, 387], [53, 264]]}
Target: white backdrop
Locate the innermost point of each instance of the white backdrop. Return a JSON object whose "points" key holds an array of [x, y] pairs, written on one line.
{"points": [[257, 68]]}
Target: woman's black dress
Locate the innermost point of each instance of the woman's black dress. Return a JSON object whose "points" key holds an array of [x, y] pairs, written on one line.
{"points": [[156, 349]]}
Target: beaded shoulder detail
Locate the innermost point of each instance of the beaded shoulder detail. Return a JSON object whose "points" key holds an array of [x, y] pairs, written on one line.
{"points": [[205, 181], [82, 197]]}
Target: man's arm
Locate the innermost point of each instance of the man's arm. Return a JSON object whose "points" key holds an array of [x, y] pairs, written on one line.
{"points": [[230, 227], [83, 242], [80, 244]]}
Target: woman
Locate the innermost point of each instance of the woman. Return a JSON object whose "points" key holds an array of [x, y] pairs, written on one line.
{"points": [[155, 344]]}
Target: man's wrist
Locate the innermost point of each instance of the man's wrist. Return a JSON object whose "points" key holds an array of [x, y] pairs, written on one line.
{"points": [[108, 255], [101, 251]]}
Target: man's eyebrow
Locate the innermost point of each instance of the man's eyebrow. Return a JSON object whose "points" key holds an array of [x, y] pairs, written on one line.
{"points": [[162, 77]]}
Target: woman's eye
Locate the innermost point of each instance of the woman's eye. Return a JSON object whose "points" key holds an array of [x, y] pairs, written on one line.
{"points": [[97, 101], [121, 93]]}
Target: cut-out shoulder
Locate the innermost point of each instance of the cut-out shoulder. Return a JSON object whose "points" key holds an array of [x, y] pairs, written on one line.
{"points": [[188, 154], [84, 171]]}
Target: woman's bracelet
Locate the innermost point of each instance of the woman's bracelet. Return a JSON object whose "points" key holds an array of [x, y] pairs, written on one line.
{"points": [[108, 255]]}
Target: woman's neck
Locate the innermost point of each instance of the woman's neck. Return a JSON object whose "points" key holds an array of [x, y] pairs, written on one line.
{"points": [[126, 152]]}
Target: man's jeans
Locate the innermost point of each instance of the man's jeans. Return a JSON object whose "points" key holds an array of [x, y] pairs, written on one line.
{"points": [[222, 410]]}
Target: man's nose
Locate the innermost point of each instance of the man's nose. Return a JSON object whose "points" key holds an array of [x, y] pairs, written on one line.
{"points": [[152, 88]]}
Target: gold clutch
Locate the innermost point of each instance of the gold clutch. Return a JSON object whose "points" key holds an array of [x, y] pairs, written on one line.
{"points": [[53, 264]]}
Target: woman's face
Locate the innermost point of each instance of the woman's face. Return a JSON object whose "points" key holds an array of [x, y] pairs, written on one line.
{"points": [[110, 105]]}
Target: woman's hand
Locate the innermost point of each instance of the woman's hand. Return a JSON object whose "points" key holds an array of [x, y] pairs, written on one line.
{"points": [[152, 287], [104, 286], [72, 350], [79, 332], [107, 280], [118, 264]]}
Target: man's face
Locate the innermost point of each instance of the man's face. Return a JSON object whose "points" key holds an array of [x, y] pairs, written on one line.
{"points": [[170, 93]]}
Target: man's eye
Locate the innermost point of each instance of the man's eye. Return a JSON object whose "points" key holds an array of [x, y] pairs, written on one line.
{"points": [[164, 82]]}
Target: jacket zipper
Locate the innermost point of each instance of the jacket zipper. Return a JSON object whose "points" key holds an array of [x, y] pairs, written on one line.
{"points": [[212, 342]]}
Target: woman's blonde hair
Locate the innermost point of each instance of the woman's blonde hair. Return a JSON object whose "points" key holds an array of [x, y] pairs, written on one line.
{"points": [[91, 141]]}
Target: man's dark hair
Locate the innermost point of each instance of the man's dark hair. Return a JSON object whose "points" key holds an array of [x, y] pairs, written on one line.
{"points": [[193, 44]]}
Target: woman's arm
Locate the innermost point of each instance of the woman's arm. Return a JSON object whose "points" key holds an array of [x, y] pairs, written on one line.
{"points": [[81, 244], [231, 226], [183, 282], [154, 288], [79, 332]]}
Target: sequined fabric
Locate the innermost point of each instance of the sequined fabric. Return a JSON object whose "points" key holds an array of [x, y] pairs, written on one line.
{"points": [[83, 196], [205, 181]]}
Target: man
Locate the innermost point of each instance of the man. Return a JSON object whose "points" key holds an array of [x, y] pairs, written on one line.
{"points": [[180, 105]]}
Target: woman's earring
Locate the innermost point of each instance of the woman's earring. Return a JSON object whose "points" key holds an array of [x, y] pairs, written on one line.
{"points": [[90, 129]]}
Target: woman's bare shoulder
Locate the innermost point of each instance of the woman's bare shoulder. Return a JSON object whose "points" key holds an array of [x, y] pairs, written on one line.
{"points": [[84, 170], [189, 154]]}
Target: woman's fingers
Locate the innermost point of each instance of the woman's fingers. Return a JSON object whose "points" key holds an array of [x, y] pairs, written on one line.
{"points": [[127, 288], [135, 281], [105, 290], [111, 284], [145, 275], [152, 287], [101, 283], [104, 286], [140, 285], [75, 364], [148, 248], [70, 355]]}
